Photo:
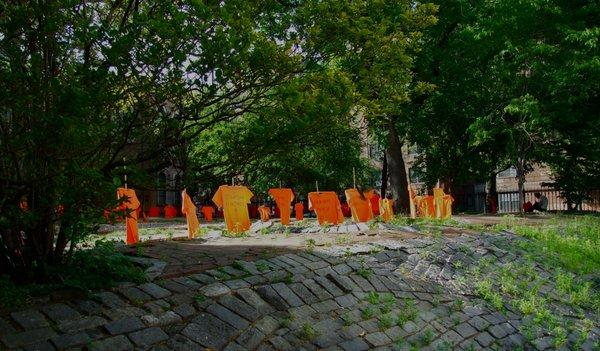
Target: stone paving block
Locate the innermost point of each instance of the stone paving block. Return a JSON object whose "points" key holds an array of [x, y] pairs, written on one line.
{"points": [[378, 339], [329, 286], [250, 338], [190, 283], [215, 289], [237, 284], [354, 345], [465, 330], [163, 319], [317, 290], [255, 280], [377, 284], [287, 294], [148, 336], [120, 313], [267, 325], [301, 260], [110, 299], [280, 343], [124, 326], [325, 306], [272, 297], [240, 307], [81, 324], [345, 283], [115, 343], [352, 331], [484, 339], [313, 266], [342, 269], [154, 290], [185, 310], [302, 291], [451, 337], [479, 323], [234, 272], [69, 340], [254, 300], [228, 316], [134, 294], [42, 346], [279, 263], [202, 278], [181, 343], [497, 331], [209, 331], [156, 306], [174, 286], [370, 325], [361, 282], [326, 340], [347, 300], [28, 337], [233, 346], [88, 307], [308, 256], [59, 312], [30, 319]]}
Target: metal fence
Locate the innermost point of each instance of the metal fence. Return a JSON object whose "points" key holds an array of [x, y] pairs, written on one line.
{"points": [[508, 201]]}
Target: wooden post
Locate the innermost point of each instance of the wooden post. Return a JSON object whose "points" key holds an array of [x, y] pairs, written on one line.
{"points": [[125, 169], [317, 184], [354, 177]]}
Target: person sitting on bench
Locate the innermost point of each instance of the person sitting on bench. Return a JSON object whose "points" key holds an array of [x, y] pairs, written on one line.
{"points": [[541, 202]]}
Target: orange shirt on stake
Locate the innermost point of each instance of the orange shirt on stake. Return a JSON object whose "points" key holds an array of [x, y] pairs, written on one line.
{"points": [[189, 210], [283, 198], [207, 212], [387, 209], [299, 209], [327, 207], [359, 205], [264, 212], [234, 201], [131, 204]]}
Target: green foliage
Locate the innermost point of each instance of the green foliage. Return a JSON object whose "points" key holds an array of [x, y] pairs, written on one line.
{"points": [[11, 296], [100, 267]]}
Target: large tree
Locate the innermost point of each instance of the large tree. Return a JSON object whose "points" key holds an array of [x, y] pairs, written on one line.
{"points": [[88, 87]]}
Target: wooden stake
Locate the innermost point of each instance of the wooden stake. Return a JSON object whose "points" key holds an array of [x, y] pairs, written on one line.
{"points": [[232, 181], [317, 184], [125, 169], [354, 177]]}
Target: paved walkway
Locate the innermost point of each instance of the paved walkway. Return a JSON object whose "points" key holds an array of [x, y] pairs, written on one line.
{"points": [[391, 291]]}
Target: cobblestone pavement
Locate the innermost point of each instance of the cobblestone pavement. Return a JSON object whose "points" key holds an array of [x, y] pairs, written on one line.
{"points": [[385, 295]]}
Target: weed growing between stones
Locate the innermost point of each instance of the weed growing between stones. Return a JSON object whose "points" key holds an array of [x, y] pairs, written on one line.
{"points": [[308, 332]]}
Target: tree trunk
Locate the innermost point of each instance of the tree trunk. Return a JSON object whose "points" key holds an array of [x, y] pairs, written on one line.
{"points": [[397, 170], [384, 176], [521, 181], [491, 192]]}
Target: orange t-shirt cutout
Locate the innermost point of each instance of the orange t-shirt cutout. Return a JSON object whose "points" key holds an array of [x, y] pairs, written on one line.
{"points": [[327, 207], [299, 209], [360, 206], [283, 198], [234, 200], [189, 210], [131, 204]]}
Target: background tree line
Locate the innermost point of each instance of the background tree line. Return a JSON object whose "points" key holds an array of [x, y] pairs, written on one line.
{"points": [[273, 90]]}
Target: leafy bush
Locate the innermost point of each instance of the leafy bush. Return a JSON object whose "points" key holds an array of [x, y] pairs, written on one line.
{"points": [[100, 267]]}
